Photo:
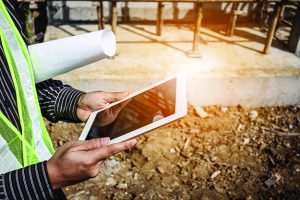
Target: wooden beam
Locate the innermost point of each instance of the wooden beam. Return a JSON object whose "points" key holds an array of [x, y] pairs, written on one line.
{"points": [[160, 18], [114, 16], [199, 14], [233, 18], [272, 27], [100, 15]]}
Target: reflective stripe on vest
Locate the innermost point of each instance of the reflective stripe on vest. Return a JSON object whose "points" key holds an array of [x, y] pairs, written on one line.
{"points": [[33, 144]]}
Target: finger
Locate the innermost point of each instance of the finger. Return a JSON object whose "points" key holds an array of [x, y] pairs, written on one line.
{"points": [[115, 96], [92, 144], [104, 152], [116, 109]]}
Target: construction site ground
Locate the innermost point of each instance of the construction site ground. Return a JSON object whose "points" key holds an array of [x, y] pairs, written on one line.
{"points": [[234, 152]]}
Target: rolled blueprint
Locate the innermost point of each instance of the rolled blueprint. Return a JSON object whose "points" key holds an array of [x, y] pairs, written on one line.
{"points": [[50, 59]]}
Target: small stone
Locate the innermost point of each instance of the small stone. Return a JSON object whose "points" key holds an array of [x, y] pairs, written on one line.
{"points": [[122, 186], [111, 182], [93, 198], [160, 170], [273, 180], [246, 141], [60, 142], [136, 176], [194, 130], [176, 184], [253, 115], [214, 158], [110, 167], [172, 150], [130, 174], [201, 112], [80, 193], [240, 127], [215, 174], [187, 143], [224, 109]]}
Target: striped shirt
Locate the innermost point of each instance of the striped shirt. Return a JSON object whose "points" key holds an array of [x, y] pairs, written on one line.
{"points": [[57, 101]]}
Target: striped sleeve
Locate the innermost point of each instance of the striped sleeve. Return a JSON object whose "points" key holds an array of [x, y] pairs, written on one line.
{"points": [[2, 193], [31, 182], [58, 101]]}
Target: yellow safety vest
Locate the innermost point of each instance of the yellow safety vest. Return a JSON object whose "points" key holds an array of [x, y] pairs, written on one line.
{"points": [[33, 144]]}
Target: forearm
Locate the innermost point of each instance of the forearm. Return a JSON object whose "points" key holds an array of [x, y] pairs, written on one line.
{"points": [[31, 182], [58, 101]]}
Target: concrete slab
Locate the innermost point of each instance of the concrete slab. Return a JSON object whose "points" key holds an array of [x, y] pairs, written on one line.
{"points": [[231, 71]]}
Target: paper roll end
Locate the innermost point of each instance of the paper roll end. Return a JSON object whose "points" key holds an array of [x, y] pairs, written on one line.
{"points": [[108, 40]]}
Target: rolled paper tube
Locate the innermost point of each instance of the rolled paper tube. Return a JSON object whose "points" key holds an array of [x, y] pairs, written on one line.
{"points": [[50, 59]]}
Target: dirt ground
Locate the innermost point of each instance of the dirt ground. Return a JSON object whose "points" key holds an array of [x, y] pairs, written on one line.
{"points": [[233, 153]]}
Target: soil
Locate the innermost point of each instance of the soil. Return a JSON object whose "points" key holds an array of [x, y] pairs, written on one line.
{"points": [[233, 153]]}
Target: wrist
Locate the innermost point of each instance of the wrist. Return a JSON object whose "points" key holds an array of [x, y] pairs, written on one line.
{"points": [[79, 101], [53, 175]]}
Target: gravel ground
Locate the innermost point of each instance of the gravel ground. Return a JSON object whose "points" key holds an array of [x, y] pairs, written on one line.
{"points": [[212, 153]]}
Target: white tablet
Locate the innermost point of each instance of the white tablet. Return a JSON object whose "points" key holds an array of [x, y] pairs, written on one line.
{"points": [[140, 112]]}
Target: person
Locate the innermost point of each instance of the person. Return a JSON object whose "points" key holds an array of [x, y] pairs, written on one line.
{"points": [[28, 168]]}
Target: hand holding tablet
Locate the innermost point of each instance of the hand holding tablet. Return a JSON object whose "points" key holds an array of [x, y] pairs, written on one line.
{"points": [[154, 106]]}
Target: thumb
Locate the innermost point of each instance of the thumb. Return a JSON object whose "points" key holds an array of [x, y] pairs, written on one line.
{"points": [[116, 96], [99, 154], [92, 144]]}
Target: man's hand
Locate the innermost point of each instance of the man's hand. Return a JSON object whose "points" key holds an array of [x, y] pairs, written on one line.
{"points": [[93, 101], [109, 115], [78, 161]]}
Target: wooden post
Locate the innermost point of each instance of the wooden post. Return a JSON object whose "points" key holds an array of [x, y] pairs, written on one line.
{"points": [[114, 16], [160, 18], [272, 27], [65, 12], [232, 21], [294, 39], [199, 10], [29, 22], [100, 15]]}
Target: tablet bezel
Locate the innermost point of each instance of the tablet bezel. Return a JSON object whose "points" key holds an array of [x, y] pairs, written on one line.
{"points": [[180, 110]]}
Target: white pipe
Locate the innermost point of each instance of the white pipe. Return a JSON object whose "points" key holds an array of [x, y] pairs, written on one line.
{"points": [[50, 59]]}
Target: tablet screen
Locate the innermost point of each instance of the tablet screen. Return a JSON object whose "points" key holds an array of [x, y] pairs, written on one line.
{"points": [[141, 110]]}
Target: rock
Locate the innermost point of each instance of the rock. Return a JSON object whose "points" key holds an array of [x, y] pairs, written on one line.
{"points": [[187, 143], [160, 170], [224, 109], [273, 180], [215, 174], [194, 130], [111, 182], [214, 158], [122, 186], [60, 143], [130, 174], [172, 150], [201, 112], [80, 193], [246, 141], [253, 115], [176, 184], [110, 167], [135, 176], [240, 127]]}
